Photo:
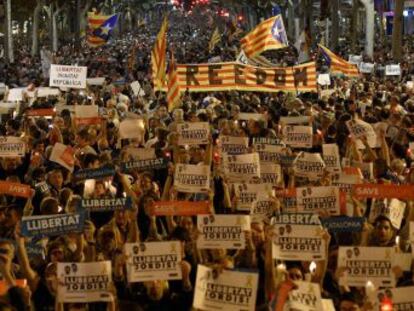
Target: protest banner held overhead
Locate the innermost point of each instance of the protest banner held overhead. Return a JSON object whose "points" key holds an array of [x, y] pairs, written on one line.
{"points": [[68, 76]]}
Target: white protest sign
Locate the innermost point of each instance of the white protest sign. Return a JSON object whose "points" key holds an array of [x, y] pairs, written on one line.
{"points": [[230, 291], [360, 129], [222, 231], [63, 155], [394, 211], [410, 84], [345, 182], [139, 154], [402, 298], [12, 146], [137, 89], [327, 93], [87, 115], [366, 67], [68, 76], [84, 282], [15, 94], [271, 174], [269, 153], [247, 194], [242, 58], [193, 133], [298, 242], [309, 165], [316, 199], [153, 261], [263, 209], [47, 91], [132, 129], [246, 116], [96, 81], [192, 178], [366, 263], [324, 79], [355, 59], [233, 144], [242, 167], [393, 70], [298, 136], [294, 120], [331, 158], [305, 297]]}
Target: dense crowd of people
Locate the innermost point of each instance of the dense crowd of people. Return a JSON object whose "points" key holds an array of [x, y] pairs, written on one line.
{"points": [[384, 105]]}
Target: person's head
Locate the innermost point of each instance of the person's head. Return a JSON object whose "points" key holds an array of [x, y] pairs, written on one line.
{"points": [[258, 234], [82, 138], [49, 206], [51, 278], [121, 218], [383, 231], [39, 146], [162, 111], [156, 289], [6, 250], [13, 215], [91, 160], [55, 178], [187, 223], [146, 182], [349, 302], [295, 271], [56, 252]]}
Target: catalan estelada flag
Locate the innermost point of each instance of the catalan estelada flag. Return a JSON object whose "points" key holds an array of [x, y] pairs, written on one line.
{"points": [[338, 64], [100, 28], [214, 40], [268, 35], [158, 55], [174, 92]]}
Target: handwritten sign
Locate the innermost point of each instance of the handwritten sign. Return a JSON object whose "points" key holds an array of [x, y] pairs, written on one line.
{"points": [[68, 76], [63, 155], [394, 211]]}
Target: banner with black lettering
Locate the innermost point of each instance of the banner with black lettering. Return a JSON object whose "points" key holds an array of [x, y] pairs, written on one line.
{"points": [[193, 133], [94, 173], [12, 146], [305, 297], [298, 136], [331, 158], [401, 298], [317, 199], [52, 225], [346, 182], [222, 231], [104, 205], [242, 167], [362, 263], [84, 282], [230, 291], [309, 165], [234, 76], [393, 209], [263, 209], [153, 261], [298, 242], [247, 194], [144, 165], [271, 173], [269, 153], [192, 178], [231, 145]]}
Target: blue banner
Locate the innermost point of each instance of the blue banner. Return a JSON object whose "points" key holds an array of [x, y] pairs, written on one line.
{"points": [[343, 224], [296, 219], [104, 205], [144, 165], [95, 173], [52, 225]]}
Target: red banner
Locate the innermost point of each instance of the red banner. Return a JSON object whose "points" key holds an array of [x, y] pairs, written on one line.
{"points": [[44, 112], [180, 208], [15, 189], [376, 191]]}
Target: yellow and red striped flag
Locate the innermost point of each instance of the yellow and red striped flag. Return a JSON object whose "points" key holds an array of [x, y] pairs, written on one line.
{"points": [[174, 92], [100, 28], [268, 35], [215, 39], [158, 55], [338, 64]]}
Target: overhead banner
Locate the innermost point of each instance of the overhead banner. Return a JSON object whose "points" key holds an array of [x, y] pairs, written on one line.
{"points": [[52, 225], [242, 167], [12, 146], [94, 173], [15, 189], [104, 205], [230, 291], [234, 76], [380, 191], [180, 208], [193, 133], [192, 178], [84, 282], [222, 231], [153, 261], [144, 165], [68, 76], [366, 263]]}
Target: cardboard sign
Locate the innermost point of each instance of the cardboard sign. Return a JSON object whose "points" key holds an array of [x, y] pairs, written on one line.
{"points": [[104, 205], [402, 298], [12, 146], [192, 178], [247, 194], [84, 282], [144, 165], [306, 297], [242, 167], [343, 224], [380, 191], [324, 79], [63, 155], [366, 67], [195, 133], [296, 219], [393, 70], [231, 145], [132, 128], [98, 81], [394, 210], [222, 231], [153, 261], [298, 136], [94, 173], [366, 263], [52, 225], [316, 199], [230, 291], [298, 242], [271, 174], [331, 158], [87, 115], [179, 208], [68, 76], [309, 165], [15, 189]]}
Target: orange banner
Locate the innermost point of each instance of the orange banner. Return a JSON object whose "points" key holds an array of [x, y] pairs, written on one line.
{"points": [[88, 121], [15, 189], [179, 208], [44, 112], [376, 191], [22, 283]]}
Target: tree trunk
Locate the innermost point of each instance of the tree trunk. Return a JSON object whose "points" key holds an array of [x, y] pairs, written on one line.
{"points": [[397, 31], [291, 21], [354, 25], [335, 24], [55, 41], [8, 18], [35, 28], [369, 27], [82, 17], [309, 22]]}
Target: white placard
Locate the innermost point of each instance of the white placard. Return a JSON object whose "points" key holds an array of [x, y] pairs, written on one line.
{"points": [[195, 133], [98, 81], [309, 165], [366, 67], [359, 129], [298, 136], [294, 120], [270, 153], [316, 199], [328, 305], [132, 129], [63, 155], [231, 145], [331, 158], [263, 209], [364, 264], [394, 211], [47, 91], [246, 116], [230, 291], [222, 231], [68, 76], [139, 154], [324, 79], [153, 261], [137, 89], [271, 174], [15, 94], [192, 178], [84, 282], [247, 194], [242, 167], [306, 297], [87, 114], [402, 298], [393, 70], [12, 146], [345, 182], [355, 59]]}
